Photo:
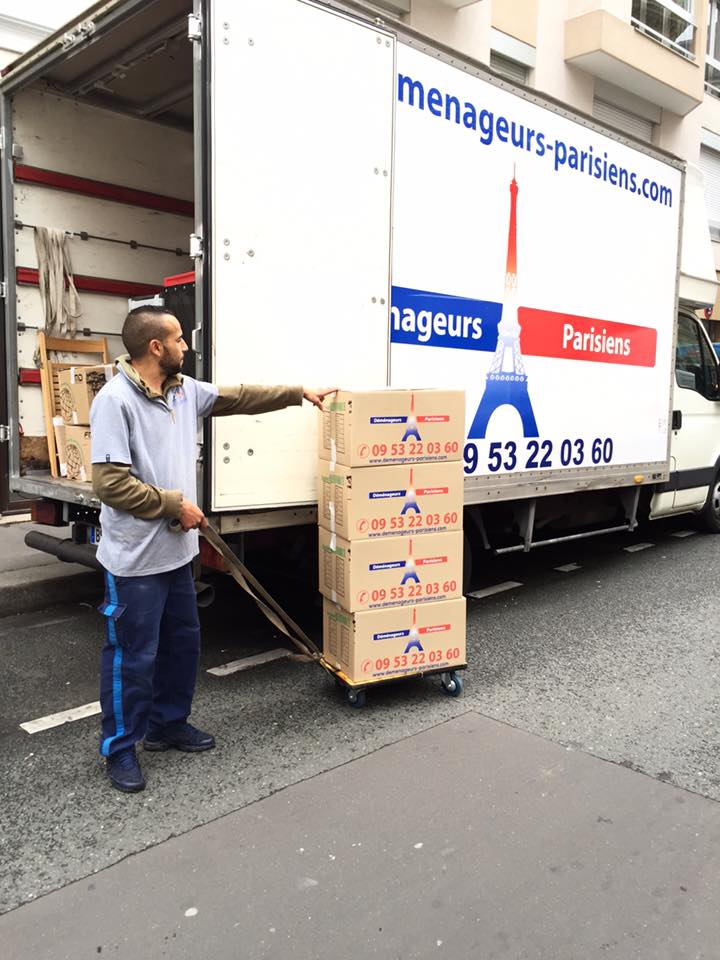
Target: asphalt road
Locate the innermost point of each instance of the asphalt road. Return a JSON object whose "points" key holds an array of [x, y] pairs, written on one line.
{"points": [[616, 657]]}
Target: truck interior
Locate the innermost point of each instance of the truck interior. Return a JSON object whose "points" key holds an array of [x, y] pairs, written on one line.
{"points": [[104, 151]]}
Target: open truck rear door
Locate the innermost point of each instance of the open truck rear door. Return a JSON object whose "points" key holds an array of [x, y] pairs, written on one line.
{"points": [[297, 267]]}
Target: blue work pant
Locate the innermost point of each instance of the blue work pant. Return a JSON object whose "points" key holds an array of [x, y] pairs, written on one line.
{"points": [[149, 661]]}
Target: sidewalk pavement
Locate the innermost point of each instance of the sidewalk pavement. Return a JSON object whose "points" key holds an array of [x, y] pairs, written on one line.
{"points": [[470, 840], [32, 580]]}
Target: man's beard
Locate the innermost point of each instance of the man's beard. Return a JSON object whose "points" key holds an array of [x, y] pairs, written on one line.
{"points": [[170, 367]]}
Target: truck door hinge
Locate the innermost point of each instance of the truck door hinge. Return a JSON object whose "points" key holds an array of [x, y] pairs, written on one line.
{"points": [[3, 290], [79, 33], [196, 247], [4, 433], [17, 151], [194, 28]]}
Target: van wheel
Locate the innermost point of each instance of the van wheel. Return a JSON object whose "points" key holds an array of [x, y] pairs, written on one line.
{"points": [[710, 515]]}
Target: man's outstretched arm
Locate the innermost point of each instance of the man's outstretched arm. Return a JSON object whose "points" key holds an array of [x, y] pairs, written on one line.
{"points": [[248, 398]]}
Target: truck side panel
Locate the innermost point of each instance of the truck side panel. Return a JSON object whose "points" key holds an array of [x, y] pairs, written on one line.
{"points": [[535, 263]]}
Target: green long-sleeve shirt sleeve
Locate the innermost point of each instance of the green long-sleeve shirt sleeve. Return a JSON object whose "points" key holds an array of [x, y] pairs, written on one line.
{"points": [[248, 398], [114, 485]]}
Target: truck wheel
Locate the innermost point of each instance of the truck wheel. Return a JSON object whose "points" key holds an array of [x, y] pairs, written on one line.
{"points": [[710, 515]]}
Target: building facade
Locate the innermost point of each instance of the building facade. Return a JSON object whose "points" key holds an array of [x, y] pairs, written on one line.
{"points": [[23, 25], [17, 36]]}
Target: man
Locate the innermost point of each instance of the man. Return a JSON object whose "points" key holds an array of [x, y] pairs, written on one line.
{"points": [[144, 436]]}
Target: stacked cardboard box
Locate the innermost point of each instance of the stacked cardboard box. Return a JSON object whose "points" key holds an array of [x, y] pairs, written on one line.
{"points": [[390, 510], [78, 387]]}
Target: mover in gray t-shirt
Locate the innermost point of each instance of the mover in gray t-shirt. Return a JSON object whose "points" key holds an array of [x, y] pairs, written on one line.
{"points": [[144, 436]]}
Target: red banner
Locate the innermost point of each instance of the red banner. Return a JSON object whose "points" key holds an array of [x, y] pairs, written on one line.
{"points": [[546, 333]]}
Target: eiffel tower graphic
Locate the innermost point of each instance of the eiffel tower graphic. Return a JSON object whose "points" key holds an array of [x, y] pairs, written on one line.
{"points": [[507, 382], [411, 430], [414, 641], [410, 499], [410, 569]]}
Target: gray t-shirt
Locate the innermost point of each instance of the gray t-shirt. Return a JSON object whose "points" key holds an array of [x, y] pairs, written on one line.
{"points": [[158, 438]]}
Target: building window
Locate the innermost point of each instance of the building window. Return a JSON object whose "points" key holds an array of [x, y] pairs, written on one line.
{"points": [[670, 22], [712, 59], [622, 119], [510, 69], [710, 166]]}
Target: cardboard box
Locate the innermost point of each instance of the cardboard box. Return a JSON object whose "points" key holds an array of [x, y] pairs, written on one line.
{"points": [[363, 502], [388, 571], [77, 455], [78, 388], [373, 645], [60, 431], [393, 426]]}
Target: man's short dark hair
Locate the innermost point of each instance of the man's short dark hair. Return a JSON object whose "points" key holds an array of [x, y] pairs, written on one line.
{"points": [[142, 325]]}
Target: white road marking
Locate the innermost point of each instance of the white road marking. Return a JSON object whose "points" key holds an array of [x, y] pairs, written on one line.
{"points": [[15, 518], [568, 567], [681, 534], [57, 719], [635, 547], [247, 662], [498, 588]]}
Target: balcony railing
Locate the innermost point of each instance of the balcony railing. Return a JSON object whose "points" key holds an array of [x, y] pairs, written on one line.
{"points": [[668, 22]]}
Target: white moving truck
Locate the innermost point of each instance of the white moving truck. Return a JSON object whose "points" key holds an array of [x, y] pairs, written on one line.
{"points": [[362, 207]]}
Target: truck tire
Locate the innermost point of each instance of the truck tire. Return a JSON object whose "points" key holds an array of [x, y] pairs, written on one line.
{"points": [[710, 514]]}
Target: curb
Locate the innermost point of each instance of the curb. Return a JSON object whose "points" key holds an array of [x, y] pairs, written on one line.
{"points": [[9, 519], [29, 590]]}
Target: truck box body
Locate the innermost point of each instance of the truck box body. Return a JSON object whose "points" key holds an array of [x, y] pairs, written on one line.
{"points": [[378, 213], [430, 150]]}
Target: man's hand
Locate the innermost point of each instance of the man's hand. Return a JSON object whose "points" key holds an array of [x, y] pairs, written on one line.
{"points": [[316, 397], [191, 516]]}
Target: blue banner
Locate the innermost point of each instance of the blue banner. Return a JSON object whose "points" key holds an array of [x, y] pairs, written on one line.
{"points": [[386, 494], [392, 635], [442, 320]]}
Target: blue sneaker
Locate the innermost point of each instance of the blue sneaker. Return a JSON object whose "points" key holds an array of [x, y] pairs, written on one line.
{"points": [[124, 771], [179, 736]]}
